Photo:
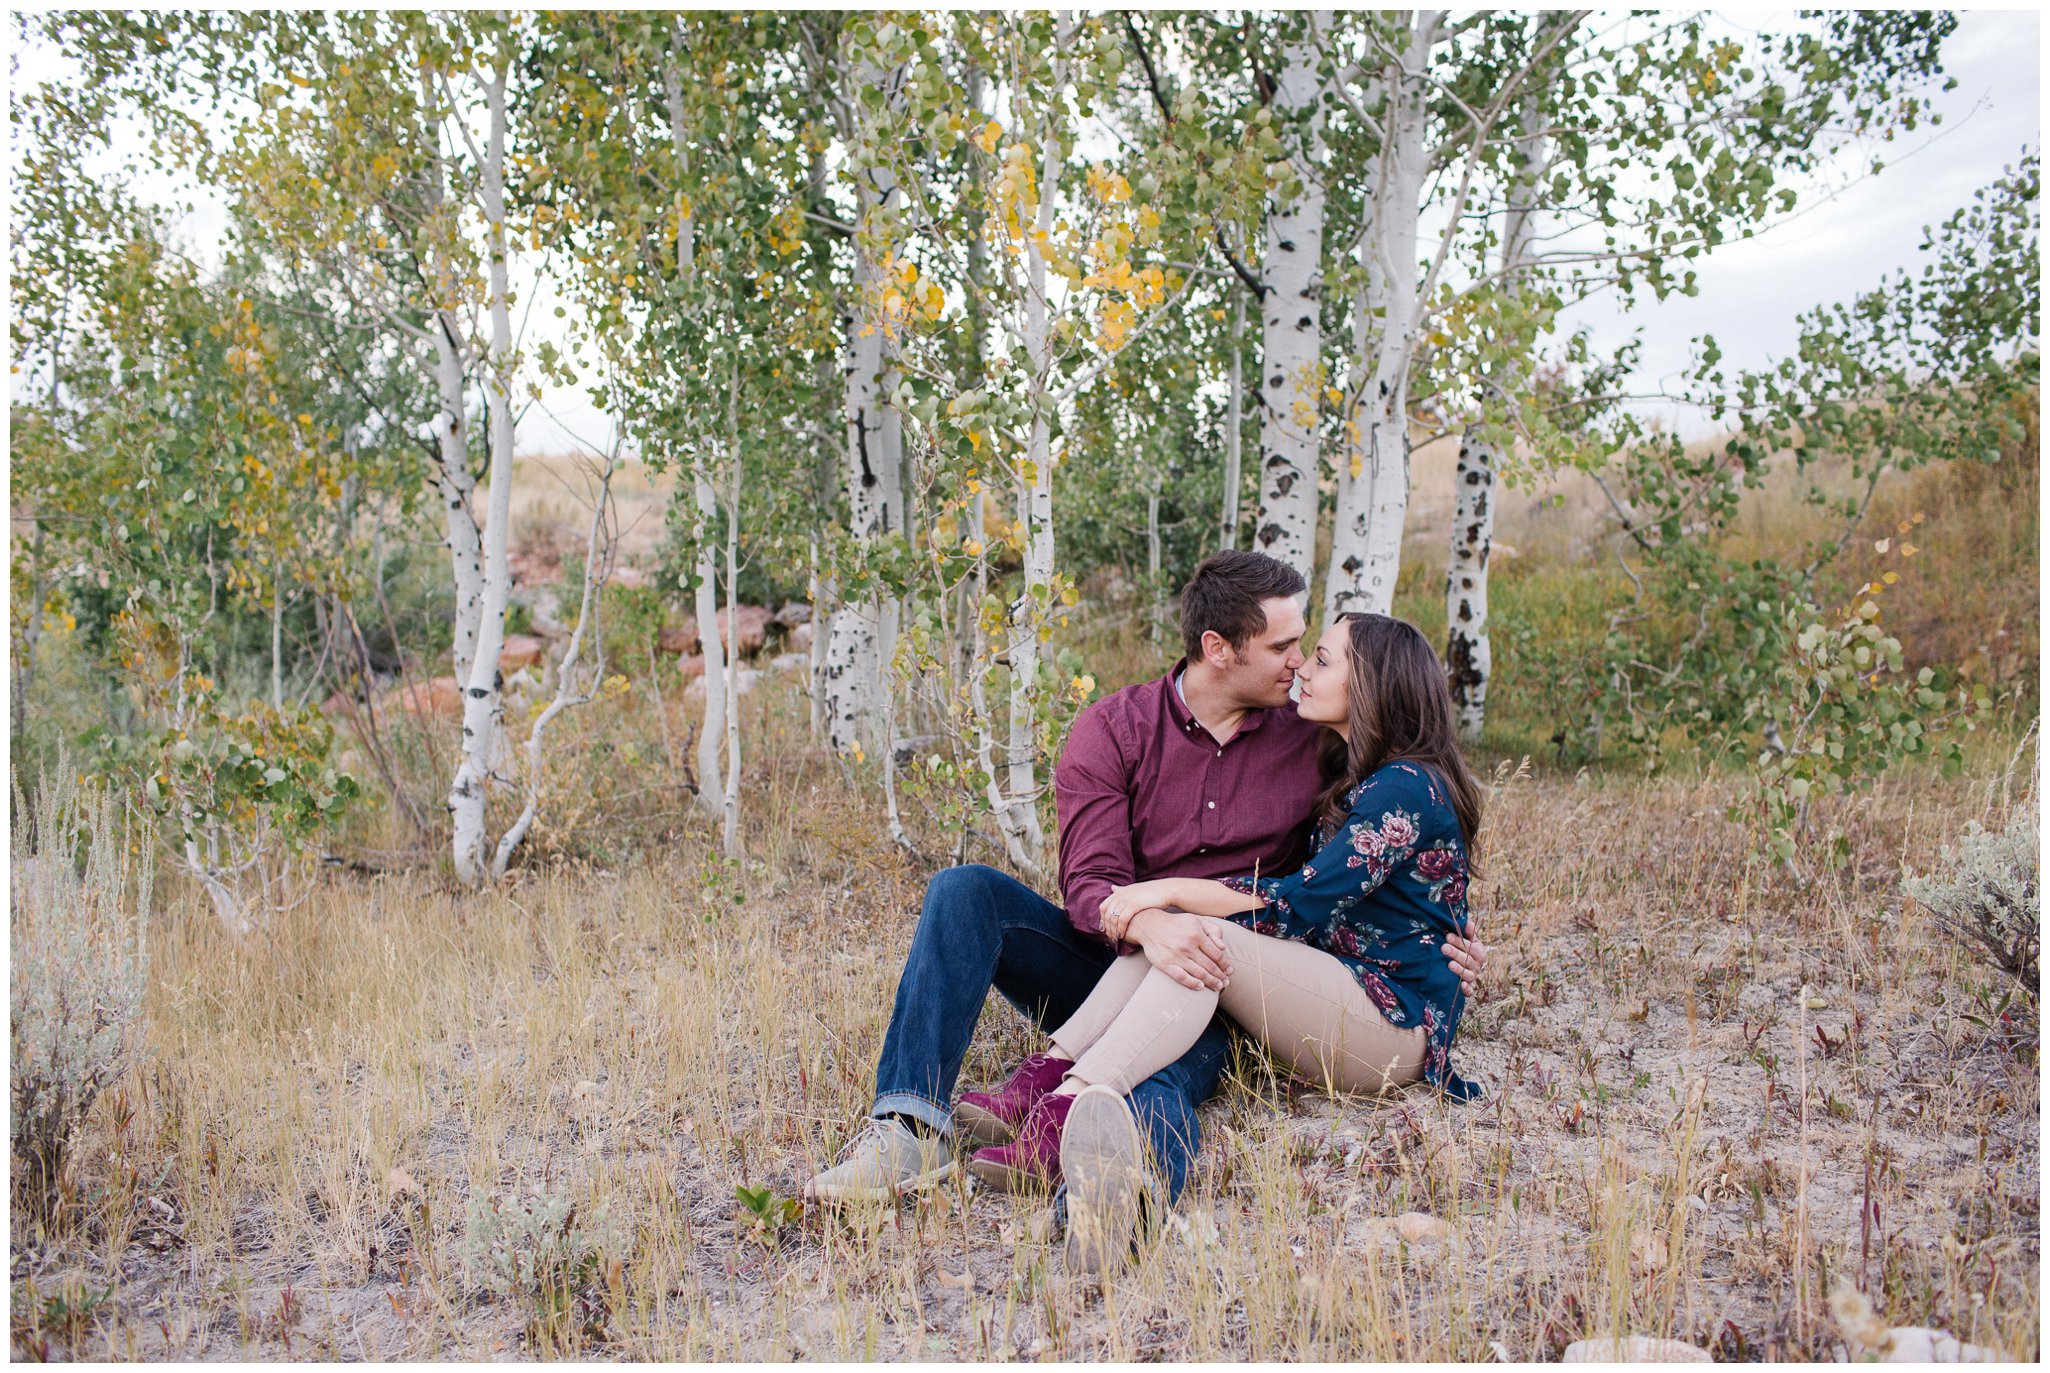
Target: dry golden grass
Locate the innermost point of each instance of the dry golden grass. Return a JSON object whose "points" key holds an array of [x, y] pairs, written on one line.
{"points": [[1675, 1141]]}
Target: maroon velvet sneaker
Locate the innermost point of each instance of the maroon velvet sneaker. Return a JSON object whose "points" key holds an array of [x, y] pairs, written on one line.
{"points": [[994, 1117], [1033, 1162]]}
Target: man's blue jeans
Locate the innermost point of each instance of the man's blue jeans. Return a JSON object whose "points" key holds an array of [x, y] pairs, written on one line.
{"points": [[982, 928]]}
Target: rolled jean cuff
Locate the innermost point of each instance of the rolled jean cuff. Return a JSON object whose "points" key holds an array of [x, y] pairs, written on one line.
{"points": [[918, 1108]]}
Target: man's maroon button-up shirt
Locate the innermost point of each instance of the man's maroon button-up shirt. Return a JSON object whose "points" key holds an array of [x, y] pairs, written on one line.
{"points": [[1143, 791]]}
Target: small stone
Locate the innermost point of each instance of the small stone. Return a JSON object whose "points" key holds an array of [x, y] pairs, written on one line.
{"points": [[1919, 1344], [399, 1183], [1375, 1232], [1418, 1228], [1633, 1349], [1817, 1003], [1648, 1247]]}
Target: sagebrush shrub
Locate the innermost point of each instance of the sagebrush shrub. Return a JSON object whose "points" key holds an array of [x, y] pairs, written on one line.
{"points": [[1985, 891], [80, 901], [539, 1243]]}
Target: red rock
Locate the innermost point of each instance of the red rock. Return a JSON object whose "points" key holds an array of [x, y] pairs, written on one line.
{"points": [[521, 650], [692, 667], [754, 630], [683, 638], [440, 698]]}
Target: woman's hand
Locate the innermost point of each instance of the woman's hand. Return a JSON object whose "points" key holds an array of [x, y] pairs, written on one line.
{"points": [[1468, 957], [1117, 910]]}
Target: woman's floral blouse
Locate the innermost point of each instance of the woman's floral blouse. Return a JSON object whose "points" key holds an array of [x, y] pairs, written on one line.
{"points": [[1378, 893]]}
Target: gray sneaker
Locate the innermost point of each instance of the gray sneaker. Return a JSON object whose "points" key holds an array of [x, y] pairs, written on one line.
{"points": [[883, 1162], [1103, 1159]]}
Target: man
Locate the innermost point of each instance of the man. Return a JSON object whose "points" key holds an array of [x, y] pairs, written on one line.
{"points": [[1206, 772]]}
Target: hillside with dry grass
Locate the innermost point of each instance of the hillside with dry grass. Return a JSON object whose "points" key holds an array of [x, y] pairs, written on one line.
{"points": [[1715, 1095]]}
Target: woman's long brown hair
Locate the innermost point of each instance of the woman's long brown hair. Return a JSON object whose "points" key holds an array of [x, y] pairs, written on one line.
{"points": [[1398, 709]]}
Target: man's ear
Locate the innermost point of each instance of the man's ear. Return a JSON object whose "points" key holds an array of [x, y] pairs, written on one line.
{"points": [[1216, 649]]}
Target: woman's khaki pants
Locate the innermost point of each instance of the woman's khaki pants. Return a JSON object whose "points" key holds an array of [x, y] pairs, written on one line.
{"points": [[1303, 1005]]}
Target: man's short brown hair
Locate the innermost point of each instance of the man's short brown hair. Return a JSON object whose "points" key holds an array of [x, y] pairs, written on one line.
{"points": [[1226, 595]]}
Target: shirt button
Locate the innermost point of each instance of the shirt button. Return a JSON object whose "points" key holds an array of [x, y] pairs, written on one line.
{"points": [[1211, 804]]}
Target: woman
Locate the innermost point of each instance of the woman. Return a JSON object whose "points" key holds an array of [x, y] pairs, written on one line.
{"points": [[1335, 969]]}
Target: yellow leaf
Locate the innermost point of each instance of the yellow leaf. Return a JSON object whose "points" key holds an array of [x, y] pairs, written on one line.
{"points": [[1882, 545]]}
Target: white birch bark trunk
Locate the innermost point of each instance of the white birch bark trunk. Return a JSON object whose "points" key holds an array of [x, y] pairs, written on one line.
{"points": [[465, 540], [482, 706], [572, 687], [1292, 366], [277, 637], [1469, 656], [1234, 428], [1024, 837], [862, 635], [711, 739], [729, 805], [1353, 452], [1366, 548], [704, 494]]}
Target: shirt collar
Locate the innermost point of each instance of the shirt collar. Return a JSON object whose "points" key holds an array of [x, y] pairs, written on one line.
{"points": [[1185, 719]]}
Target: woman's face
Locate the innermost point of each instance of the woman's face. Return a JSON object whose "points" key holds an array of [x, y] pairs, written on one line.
{"points": [[1321, 694]]}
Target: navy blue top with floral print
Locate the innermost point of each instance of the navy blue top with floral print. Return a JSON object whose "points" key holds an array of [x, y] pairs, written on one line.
{"points": [[1382, 887]]}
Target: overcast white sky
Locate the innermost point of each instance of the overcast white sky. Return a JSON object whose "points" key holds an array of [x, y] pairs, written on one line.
{"points": [[1751, 291], [1830, 250]]}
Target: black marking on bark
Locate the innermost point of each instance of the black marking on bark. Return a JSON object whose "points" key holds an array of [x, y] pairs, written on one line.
{"points": [[1302, 322], [868, 476], [1271, 533], [1462, 673], [1352, 565]]}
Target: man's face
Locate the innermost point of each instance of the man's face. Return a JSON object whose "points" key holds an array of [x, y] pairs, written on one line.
{"points": [[1259, 672]]}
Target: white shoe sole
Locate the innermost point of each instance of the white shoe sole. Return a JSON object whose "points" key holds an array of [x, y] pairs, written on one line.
{"points": [[971, 1122], [1103, 1159], [844, 1192]]}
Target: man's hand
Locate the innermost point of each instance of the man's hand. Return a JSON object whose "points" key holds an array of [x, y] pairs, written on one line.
{"points": [[1468, 956], [1185, 947]]}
